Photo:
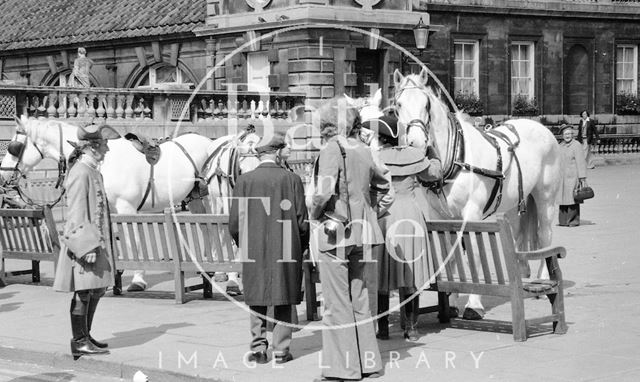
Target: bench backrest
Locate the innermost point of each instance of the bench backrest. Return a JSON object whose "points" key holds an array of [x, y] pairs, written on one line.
{"points": [[28, 234], [157, 241], [490, 252], [143, 241]]}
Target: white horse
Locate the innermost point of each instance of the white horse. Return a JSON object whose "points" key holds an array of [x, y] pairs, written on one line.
{"points": [[534, 181], [125, 170]]}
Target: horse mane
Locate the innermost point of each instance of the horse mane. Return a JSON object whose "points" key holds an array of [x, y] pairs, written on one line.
{"points": [[438, 111]]}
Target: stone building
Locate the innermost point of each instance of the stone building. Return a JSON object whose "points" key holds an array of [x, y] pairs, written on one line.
{"points": [[559, 57]]}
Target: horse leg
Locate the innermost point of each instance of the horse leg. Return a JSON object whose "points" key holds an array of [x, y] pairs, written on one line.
{"points": [[137, 283], [473, 310], [546, 214]]}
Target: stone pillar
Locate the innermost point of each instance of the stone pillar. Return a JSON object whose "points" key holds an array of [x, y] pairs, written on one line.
{"points": [[311, 70], [210, 62]]}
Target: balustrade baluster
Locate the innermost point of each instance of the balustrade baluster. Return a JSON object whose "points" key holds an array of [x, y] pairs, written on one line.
{"points": [[119, 108], [137, 112], [233, 108], [82, 104], [41, 110], [224, 109], [100, 111], [264, 106], [282, 108], [51, 110], [208, 112], [91, 101], [146, 111], [72, 98], [253, 110], [110, 110], [273, 113], [128, 110], [62, 105]]}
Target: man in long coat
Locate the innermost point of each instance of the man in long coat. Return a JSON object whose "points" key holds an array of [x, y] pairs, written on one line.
{"points": [[349, 184], [86, 262], [268, 221]]}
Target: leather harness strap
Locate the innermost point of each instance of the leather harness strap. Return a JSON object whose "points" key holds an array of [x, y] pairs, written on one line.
{"points": [[511, 147], [151, 184]]}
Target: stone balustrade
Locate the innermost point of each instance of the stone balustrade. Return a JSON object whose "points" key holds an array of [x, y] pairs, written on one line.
{"points": [[151, 106]]}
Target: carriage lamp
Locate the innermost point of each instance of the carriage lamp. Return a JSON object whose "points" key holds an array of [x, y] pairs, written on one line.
{"points": [[421, 34]]}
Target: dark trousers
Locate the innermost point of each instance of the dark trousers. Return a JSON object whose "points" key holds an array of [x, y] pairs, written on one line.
{"points": [[281, 333], [349, 350]]}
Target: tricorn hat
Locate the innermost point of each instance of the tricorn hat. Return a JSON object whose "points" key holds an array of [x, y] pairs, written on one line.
{"points": [[97, 132], [276, 143]]}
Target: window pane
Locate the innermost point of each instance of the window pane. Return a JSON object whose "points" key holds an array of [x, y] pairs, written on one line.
{"points": [[458, 69], [458, 51]]}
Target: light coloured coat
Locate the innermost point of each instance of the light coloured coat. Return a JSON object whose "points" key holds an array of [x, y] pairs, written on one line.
{"points": [[574, 167], [87, 229]]}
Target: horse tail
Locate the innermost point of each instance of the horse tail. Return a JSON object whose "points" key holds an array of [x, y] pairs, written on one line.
{"points": [[528, 236]]}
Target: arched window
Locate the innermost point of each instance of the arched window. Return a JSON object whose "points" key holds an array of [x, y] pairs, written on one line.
{"points": [[163, 75]]}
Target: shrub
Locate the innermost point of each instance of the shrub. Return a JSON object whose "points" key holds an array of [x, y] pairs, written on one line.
{"points": [[523, 105], [469, 103], [627, 103]]}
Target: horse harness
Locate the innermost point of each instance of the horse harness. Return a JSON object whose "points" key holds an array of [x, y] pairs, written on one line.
{"points": [[17, 149], [153, 160], [456, 163]]}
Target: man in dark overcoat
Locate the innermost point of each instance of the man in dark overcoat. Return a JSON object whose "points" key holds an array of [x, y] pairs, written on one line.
{"points": [[587, 136], [268, 221]]}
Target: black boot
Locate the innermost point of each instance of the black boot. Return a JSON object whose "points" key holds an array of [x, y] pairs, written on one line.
{"points": [[411, 324], [80, 343], [93, 304], [383, 322]]}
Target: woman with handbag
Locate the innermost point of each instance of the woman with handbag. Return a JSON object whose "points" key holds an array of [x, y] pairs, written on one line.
{"points": [[405, 265], [574, 173], [86, 262]]}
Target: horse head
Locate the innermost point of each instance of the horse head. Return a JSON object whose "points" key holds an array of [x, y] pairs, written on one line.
{"points": [[420, 110], [22, 152], [368, 107]]}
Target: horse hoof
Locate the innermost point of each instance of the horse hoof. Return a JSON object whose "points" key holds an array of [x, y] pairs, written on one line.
{"points": [[117, 291], [137, 287], [220, 277], [472, 314]]}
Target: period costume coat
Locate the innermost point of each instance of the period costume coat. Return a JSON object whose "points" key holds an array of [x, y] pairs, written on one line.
{"points": [[277, 240], [573, 167], [87, 229], [406, 263]]}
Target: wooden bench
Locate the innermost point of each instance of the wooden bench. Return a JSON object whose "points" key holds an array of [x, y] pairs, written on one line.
{"points": [[177, 243], [490, 266], [28, 234]]}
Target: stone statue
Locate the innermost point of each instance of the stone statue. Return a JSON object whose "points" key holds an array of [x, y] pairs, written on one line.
{"points": [[79, 77]]}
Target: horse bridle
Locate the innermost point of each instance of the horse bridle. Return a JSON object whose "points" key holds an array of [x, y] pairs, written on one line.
{"points": [[17, 149], [414, 122]]}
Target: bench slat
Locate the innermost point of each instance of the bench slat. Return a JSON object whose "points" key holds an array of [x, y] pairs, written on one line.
{"points": [[456, 247], [482, 252], [466, 239], [497, 263]]}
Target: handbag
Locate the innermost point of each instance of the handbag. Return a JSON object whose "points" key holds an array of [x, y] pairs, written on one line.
{"points": [[582, 192], [332, 221]]}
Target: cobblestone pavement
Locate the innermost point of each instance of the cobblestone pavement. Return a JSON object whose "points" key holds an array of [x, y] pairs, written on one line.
{"points": [[207, 338]]}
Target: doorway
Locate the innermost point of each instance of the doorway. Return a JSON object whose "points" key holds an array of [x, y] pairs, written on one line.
{"points": [[368, 71], [578, 80]]}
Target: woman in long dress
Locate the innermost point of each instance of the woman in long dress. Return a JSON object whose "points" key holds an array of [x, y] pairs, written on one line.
{"points": [[574, 169], [405, 265]]}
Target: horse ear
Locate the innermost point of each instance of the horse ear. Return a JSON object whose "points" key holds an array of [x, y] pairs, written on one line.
{"points": [[397, 78], [350, 101], [424, 76], [377, 97], [20, 123]]}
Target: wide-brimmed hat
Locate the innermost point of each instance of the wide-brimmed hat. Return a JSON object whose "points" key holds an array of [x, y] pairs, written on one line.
{"points": [[386, 126], [564, 127], [276, 143], [97, 132]]}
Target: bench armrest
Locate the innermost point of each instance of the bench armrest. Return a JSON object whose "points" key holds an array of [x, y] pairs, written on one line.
{"points": [[541, 254]]}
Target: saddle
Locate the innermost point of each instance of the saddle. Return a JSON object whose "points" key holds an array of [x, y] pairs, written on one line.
{"points": [[150, 147]]}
